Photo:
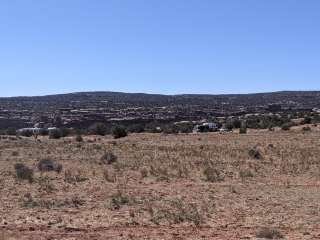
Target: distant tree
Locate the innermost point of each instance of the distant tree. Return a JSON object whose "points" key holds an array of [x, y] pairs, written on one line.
{"points": [[243, 128], [55, 134], [185, 127], [65, 132], [170, 129], [98, 129], [136, 128], [57, 121], [11, 131], [119, 132], [307, 120], [44, 132], [153, 127], [229, 125], [236, 123], [27, 133], [79, 138], [287, 126]]}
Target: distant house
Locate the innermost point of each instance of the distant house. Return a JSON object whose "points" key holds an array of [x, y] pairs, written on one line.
{"points": [[29, 130], [206, 127]]}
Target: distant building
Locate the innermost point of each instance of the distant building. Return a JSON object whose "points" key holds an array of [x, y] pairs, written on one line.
{"points": [[32, 130], [206, 127]]}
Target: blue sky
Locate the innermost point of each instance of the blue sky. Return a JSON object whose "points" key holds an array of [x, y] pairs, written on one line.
{"points": [[159, 46]]}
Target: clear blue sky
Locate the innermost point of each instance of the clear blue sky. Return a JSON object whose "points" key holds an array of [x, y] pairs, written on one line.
{"points": [[159, 46]]}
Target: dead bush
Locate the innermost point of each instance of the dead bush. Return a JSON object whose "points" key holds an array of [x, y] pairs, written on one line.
{"points": [[255, 153], [177, 211], [23, 172], [109, 176], [109, 158], [144, 172], [47, 165], [245, 174], [45, 184], [118, 200], [269, 233], [213, 175], [28, 201], [15, 154], [74, 176]]}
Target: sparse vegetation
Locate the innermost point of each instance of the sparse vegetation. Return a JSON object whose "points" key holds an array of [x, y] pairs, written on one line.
{"points": [[160, 180]]}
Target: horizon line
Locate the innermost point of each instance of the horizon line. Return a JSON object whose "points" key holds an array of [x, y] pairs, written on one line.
{"points": [[153, 93]]}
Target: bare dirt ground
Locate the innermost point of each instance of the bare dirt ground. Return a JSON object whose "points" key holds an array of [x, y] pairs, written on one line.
{"points": [[197, 186]]}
